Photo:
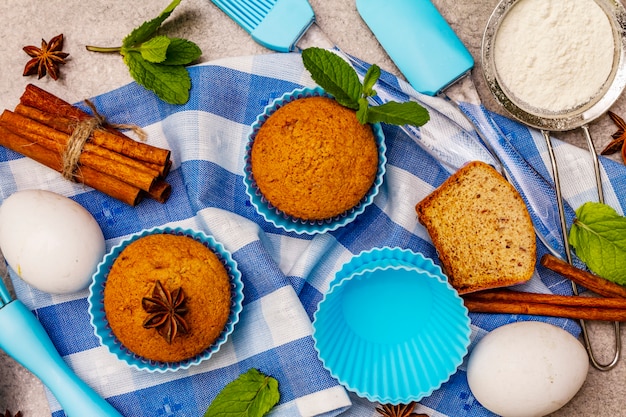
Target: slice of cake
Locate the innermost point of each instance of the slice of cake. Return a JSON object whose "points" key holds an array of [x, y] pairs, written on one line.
{"points": [[481, 229]]}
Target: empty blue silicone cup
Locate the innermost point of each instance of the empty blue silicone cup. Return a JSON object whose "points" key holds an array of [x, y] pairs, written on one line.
{"points": [[391, 331]]}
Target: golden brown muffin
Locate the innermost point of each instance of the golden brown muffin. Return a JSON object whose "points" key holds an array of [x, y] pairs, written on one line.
{"points": [[313, 160], [175, 261], [481, 229]]}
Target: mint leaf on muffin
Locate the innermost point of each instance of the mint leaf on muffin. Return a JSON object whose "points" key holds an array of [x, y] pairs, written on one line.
{"points": [[335, 75], [341, 81], [252, 394]]}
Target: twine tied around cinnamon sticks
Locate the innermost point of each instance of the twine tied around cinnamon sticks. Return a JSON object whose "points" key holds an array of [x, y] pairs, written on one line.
{"points": [[81, 134], [85, 149]]}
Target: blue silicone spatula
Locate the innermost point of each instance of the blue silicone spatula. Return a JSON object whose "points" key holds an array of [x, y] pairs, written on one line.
{"points": [[24, 339], [419, 41]]}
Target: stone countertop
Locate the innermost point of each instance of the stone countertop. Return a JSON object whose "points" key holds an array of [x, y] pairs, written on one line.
{"points": [[105, 23]]}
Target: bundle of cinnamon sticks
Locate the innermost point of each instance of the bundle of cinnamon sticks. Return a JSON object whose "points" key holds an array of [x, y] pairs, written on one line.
{"points": [[609, 306], [43, 127]]}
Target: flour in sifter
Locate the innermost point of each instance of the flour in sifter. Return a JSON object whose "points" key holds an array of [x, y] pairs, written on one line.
{"points": [[554, 55]]}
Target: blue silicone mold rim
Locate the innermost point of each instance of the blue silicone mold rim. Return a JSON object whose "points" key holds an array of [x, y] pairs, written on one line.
{"points": [[291, 224], [103, 331]]}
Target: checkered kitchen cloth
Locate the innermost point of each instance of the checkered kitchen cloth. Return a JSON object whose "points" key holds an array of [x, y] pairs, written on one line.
{"points": [[285, 275]]}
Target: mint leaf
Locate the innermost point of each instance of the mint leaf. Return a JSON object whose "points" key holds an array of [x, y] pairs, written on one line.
{"points": [[599, 237], [371, 76], [155, 49], [181, 52], [361, 113], [149, 28], [252, 394], [334, 74], [157, 62], [341, 81], [170, 83], [392, 112]]}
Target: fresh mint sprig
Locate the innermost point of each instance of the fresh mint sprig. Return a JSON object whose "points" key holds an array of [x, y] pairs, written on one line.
{"points": [[158, 62], [252, 394], [599, 237], [341, 81]]}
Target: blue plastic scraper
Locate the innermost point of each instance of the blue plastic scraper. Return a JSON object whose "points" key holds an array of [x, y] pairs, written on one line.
{"points": [[419, 41]]}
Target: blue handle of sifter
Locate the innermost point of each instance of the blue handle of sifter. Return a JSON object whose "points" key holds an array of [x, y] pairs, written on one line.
{"points": [[25, 340]]}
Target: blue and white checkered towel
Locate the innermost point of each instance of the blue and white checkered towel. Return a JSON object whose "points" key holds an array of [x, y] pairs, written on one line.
{"points": [[285, 274]]}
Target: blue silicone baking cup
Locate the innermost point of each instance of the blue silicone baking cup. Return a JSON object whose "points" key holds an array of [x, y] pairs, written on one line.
{"points": [[391, 331], [108, 339], [281, 219]]}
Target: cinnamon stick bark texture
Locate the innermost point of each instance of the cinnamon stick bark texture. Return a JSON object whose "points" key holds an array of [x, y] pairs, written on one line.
{"points": [[573, 307], [588, 280], [117, 189], [44, 128], [537, 309], [104, 138]]}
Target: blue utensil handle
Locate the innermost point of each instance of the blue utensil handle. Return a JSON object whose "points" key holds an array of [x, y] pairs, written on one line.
{"points": [[419, 41], [25, 340]]}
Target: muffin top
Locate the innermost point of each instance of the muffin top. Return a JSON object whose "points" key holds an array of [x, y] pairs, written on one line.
{"points": [[162, 271], [313, 160]]}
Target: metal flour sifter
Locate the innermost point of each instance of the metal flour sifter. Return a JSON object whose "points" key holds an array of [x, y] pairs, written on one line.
{"points": [[567, 119]]}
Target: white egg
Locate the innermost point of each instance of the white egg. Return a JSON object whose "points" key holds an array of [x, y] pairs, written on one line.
{"points": [[52, 242], [527, 369]]}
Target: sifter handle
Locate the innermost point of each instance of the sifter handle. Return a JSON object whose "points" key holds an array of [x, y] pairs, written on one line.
{"points": [[25, 340]]}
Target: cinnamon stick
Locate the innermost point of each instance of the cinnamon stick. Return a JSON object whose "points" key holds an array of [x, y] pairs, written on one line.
{"points": [[551, 299], [63, 125], [160, 191], [539, 309], [81, 146], [33, 131], [41, 99], [38, 98], [573, 307], [588, 280], [57, 120], [86, 175]]}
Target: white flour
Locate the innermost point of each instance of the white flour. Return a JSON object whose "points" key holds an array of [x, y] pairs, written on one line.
{"points": [[553, 54]]}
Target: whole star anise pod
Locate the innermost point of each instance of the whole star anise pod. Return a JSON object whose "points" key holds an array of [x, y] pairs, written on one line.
{"points": [[7, 413], [166, 310], [399, 410], [46, 60], [618, 142]]}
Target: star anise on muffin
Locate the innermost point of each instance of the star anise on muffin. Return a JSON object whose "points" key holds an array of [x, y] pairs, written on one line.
{"points": [[399, 410], [166, 312]]}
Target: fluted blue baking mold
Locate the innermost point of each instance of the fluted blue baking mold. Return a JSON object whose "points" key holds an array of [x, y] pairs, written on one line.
{"points": [[389, 330], [291, 224], [103, 331]]}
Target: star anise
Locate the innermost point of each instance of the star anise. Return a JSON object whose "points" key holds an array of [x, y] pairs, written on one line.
{"points": [[166, 310], [400, 410], [46, 60], [7, 413], [618, 137]]}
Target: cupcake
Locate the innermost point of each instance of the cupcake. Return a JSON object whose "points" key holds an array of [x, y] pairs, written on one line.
{"points": [[165, 298], [311, 165]]}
